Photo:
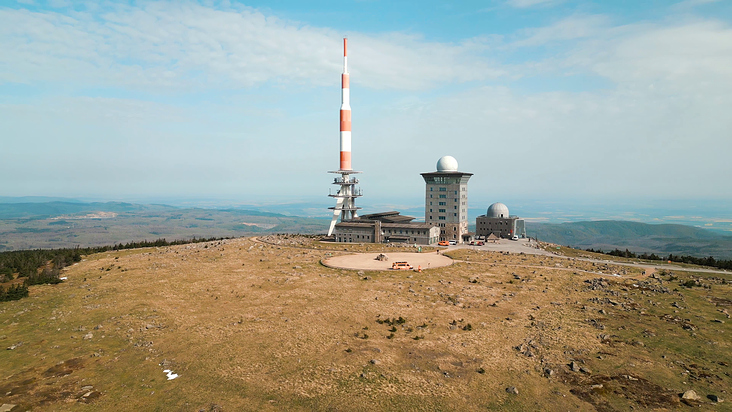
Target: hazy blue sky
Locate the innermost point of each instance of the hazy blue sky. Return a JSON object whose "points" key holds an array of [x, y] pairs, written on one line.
{"points": [[539, 98]]}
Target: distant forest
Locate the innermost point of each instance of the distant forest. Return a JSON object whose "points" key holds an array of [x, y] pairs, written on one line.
{"points": [[43, 266], [708, 261]]}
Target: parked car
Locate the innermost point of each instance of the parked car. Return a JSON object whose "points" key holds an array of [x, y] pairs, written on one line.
{"points": [[515, 237], [443, 243], [453, 242], [401, 266]]}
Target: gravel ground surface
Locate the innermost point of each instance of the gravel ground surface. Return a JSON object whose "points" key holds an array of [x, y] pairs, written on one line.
{"points": [[367, 261], [505, 245]]}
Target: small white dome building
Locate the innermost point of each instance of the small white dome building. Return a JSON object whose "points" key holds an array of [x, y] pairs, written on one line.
{"points": [[497, 210], [447, 164], [498, 222]]}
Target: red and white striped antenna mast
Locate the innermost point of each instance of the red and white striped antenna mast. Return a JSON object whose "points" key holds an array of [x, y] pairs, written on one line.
{"points": [[345, 207], [345, 111]]}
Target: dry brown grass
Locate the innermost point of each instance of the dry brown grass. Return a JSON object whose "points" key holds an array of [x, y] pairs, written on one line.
{"points": [[257, 326]]}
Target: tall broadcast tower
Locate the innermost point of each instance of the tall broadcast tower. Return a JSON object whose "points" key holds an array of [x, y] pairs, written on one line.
{"points": [[346, 196]]}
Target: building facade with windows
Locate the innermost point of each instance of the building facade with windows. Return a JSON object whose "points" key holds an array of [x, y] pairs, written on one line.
{"points": [[386, 227], [498, 222], [446, 199]]}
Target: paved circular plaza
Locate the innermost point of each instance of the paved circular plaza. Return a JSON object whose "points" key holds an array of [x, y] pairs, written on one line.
{"points": [[367, 261]]}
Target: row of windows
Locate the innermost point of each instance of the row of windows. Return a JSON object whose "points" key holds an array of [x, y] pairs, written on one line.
{"points": [[441, 179], [444, 189], [389, 232], [445, 211], [445, 197], [407, 232], [349, 239]]}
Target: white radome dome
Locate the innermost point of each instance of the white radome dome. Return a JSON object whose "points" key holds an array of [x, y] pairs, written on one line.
{"points": [[497, 210], [447, 164]]}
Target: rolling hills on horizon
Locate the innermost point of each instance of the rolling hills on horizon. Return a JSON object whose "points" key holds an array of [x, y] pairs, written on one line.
{"points": [[69, 224], [27, 223], [662, 239]]}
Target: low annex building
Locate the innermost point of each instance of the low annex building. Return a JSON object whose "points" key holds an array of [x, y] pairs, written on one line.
{"points": [[386, 227], [498, 222]]}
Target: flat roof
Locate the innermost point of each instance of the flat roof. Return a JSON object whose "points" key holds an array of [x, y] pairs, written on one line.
{"points": [[386, 217], [369, 224]]}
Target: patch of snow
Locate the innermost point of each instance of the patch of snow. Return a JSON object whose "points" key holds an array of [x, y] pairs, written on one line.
{"points": [[64, 278], [170, 374]]}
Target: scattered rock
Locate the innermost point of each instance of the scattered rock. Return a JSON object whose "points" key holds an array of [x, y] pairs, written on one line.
{"points": [[89, 396], [597, 284], [688, 326], [512, 389], [87, 388], [548, 372], [691, 395], [574, 366], [715, 398], [374, 361], [88, 336], [585, 370], [7, 407]]}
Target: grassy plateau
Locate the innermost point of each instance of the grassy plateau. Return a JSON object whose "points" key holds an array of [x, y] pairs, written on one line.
{"points": [[259, 324]]}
